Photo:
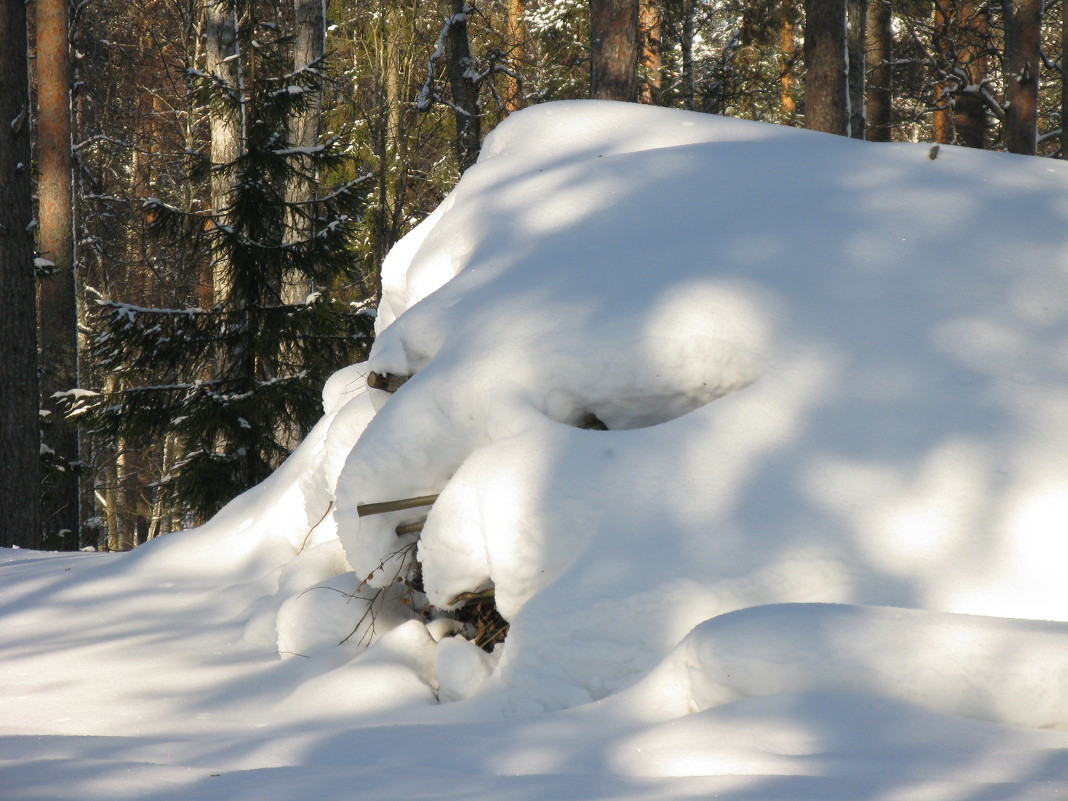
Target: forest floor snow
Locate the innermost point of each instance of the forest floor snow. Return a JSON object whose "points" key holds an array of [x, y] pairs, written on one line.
{"points": [[818, 553]]}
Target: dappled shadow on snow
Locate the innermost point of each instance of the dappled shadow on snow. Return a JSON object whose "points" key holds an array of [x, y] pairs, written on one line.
{"points": [[900, 444], [819, 746], [838, 391]]}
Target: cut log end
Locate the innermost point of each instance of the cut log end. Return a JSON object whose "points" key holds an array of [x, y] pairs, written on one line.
{"points": [[386, 382]]}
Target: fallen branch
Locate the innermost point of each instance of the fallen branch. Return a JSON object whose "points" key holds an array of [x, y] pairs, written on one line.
{"points": [[410, 528], [380, 508]]}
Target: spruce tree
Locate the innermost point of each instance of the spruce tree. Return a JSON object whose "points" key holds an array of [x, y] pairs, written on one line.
{"points": [[236, 386]]}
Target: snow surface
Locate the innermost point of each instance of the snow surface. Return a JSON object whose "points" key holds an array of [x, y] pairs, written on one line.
{"points": [[819, 553]]}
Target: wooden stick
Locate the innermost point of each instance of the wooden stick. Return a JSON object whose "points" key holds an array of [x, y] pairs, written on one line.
{"points": [[410, 528], [366, 509]]}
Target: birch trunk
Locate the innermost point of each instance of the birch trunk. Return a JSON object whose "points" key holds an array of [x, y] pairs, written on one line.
{"points": [[222, 58], [309, 46]]}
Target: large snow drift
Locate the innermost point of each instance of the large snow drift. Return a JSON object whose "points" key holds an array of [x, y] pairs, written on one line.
{"points": [[826, 524], [886, 335]]}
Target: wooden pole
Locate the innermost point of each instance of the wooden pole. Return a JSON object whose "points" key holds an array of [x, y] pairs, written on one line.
{"points": [[380, 508]]}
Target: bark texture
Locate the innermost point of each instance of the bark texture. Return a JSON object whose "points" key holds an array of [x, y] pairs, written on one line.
{"points": [[1023, 34], [517, 37], [961, 34], [58, 309], [652, 60], [614, 50], [826, 98], [19, 449], [878, 92], [856, 38], [459, 67]]}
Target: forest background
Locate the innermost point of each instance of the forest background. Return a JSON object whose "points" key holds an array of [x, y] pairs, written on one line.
{"points": [[217, 182]]}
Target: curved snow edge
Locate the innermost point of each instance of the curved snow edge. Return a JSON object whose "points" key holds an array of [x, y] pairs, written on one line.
{"points": [[1002, 670]]}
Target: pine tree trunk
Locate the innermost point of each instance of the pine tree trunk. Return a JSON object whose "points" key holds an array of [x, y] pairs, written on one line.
{"points": [[961, 34], [652, 60], [58, 311], [614, 50], [826, 90], [879, 90], [942, 117], [517, 37], [1023, 29], [222, 57], [787, 57], [19, 444], [969, 117], [857, 20], [464, 88]]}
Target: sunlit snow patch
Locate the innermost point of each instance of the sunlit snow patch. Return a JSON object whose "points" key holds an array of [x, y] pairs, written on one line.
{"points": [[815, 390]]}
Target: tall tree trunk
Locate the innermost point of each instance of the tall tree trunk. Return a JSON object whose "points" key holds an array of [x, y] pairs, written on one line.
{"points": [[826, 84], [387, 124], [464, 88], [132, 468], [1023, 30], [652, 61], [19, 441], [787, 60], [689, 79], [879, 91], [856, 39], [222, 58], [942, 117], [961, 32], [614, 50], [309, 46], [517, 37], [969, 117], [58, 312], [108, 478]]}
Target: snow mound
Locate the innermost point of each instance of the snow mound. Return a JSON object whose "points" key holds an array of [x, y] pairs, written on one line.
{"points": [[816, 387], [816, 552], [986, 668]]}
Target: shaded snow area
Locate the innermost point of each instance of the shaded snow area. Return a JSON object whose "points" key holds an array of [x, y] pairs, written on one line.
{"points": [[819, 552]]}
